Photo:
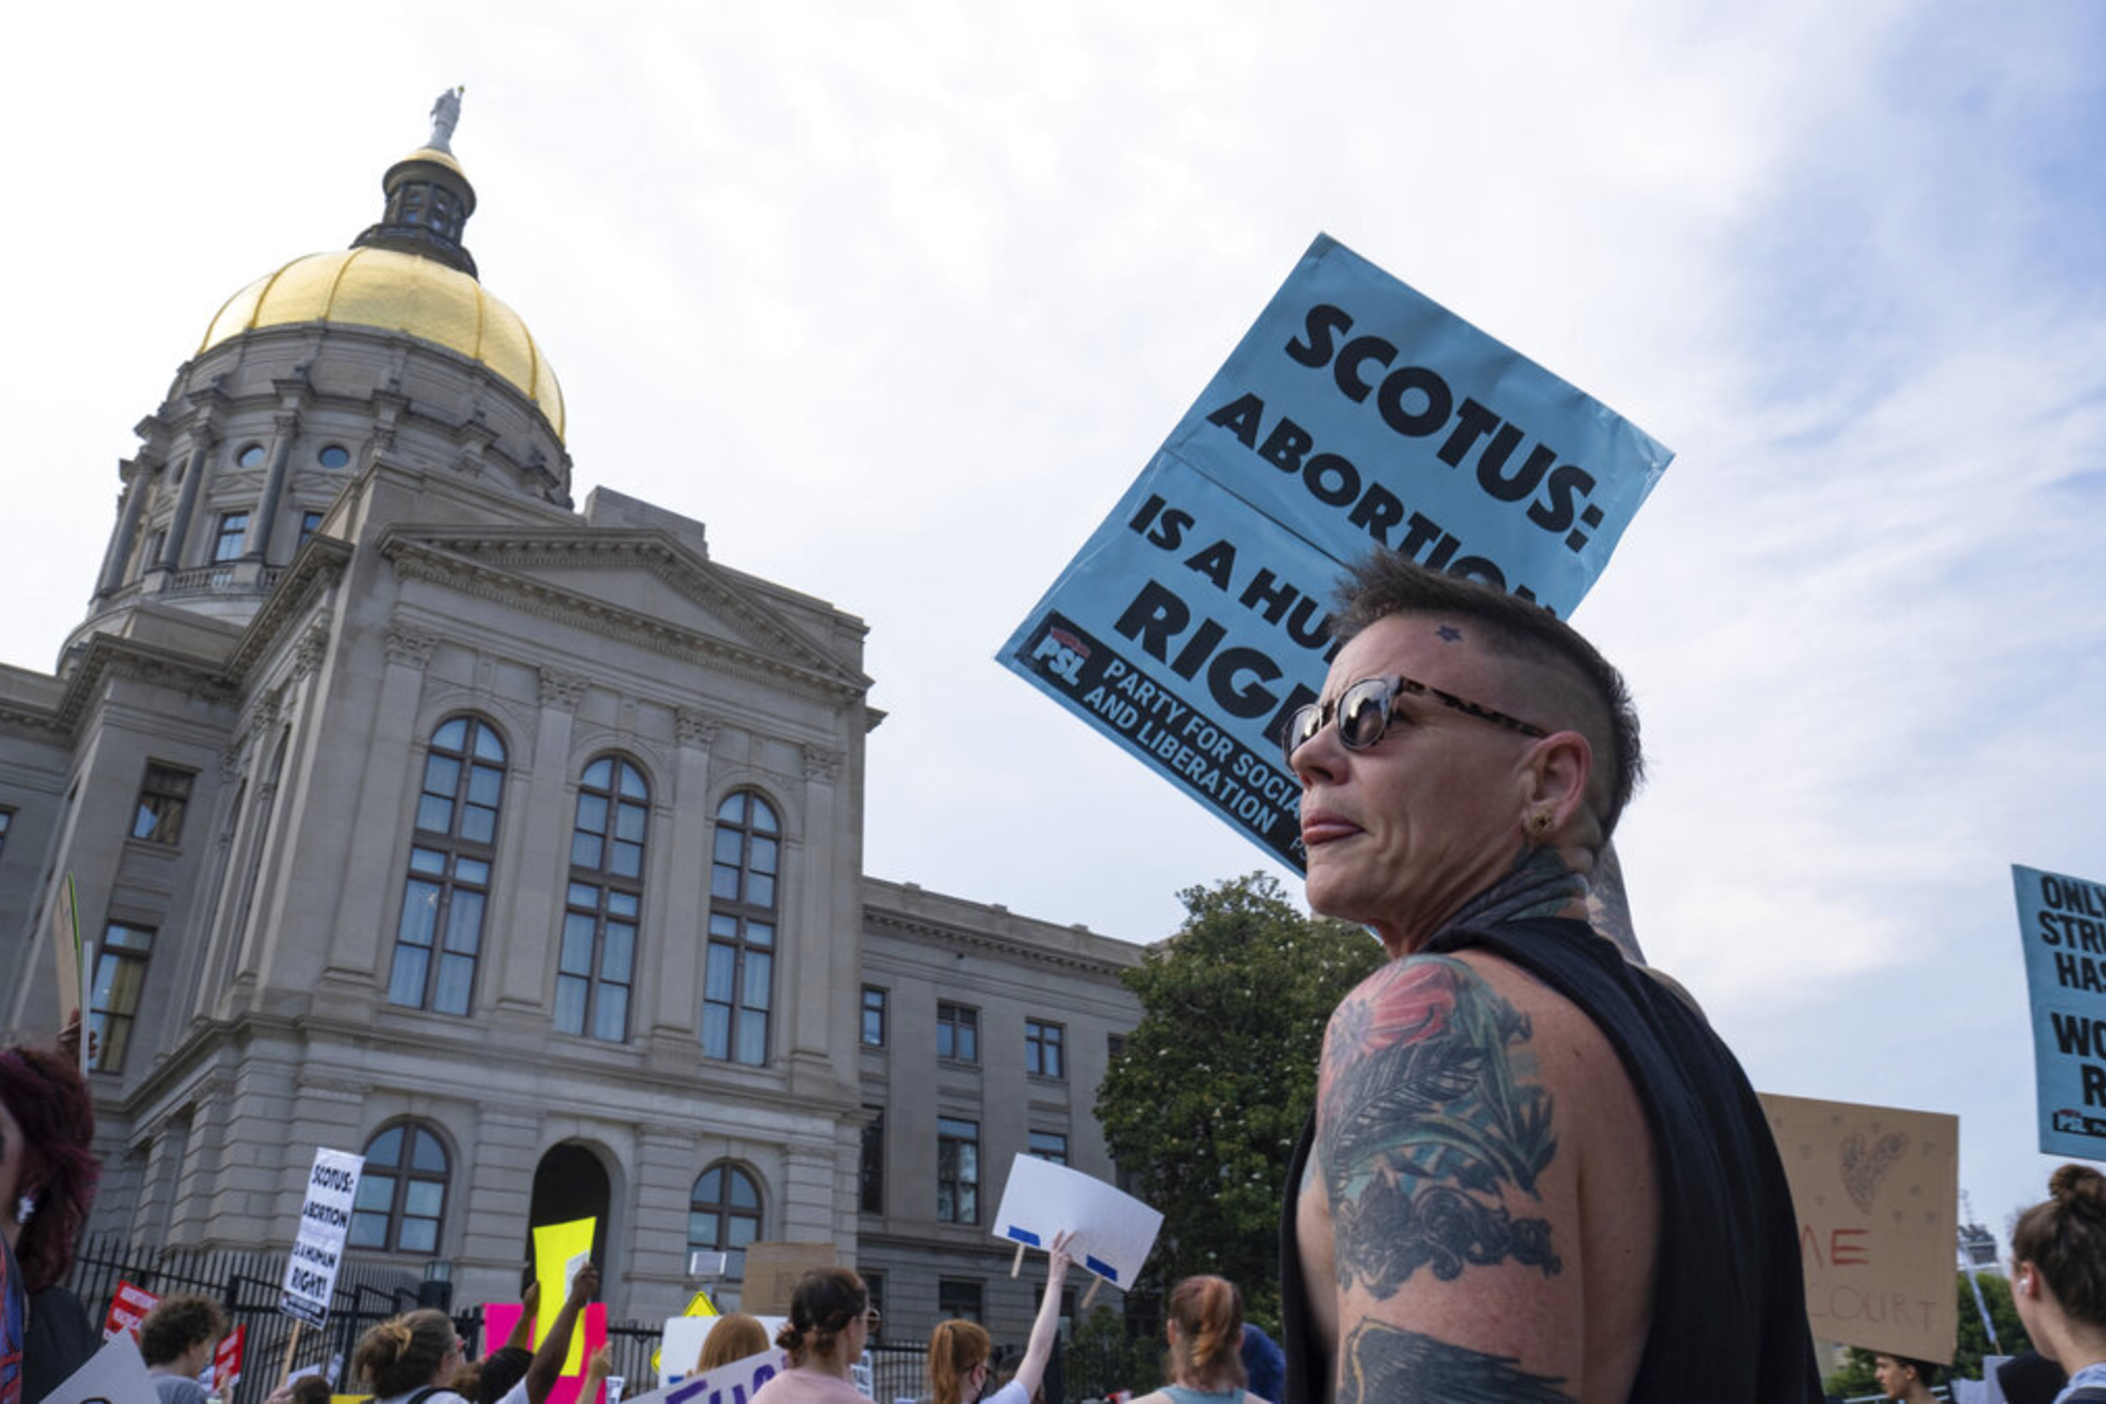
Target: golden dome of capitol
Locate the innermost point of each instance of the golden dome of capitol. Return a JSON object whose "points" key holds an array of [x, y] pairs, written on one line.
{"points": [[382, 285]]}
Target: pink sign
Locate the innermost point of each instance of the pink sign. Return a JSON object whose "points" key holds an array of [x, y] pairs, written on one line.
{"points": [[500, 1317]]}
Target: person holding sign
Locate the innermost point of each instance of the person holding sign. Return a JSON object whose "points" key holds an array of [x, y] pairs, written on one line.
{"points": [[1206, 1345], [1534, 1172], [2058, 1279], [960, 1351], [828, 1327]]}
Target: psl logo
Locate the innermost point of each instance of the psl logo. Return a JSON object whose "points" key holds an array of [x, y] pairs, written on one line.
{"points": [[1062, 654]]}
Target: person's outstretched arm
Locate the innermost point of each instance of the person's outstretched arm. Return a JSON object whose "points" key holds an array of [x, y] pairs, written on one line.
{"points": [[1040, 1350], [523, 1329], [548, 1360]]}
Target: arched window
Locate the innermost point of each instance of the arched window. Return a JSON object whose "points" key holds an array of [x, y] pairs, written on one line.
{"points": [[739, 982], [439, 936], [597, 968], [402, 1191], [724, 1214]]}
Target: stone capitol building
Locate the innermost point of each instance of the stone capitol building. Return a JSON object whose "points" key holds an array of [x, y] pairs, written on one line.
{"points": [[414, 809]]}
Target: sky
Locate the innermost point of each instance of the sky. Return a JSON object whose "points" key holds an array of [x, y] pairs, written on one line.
{"points": [[898, 299]]}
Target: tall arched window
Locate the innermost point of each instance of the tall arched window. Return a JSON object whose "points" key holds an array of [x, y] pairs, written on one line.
{"points": [[402, 1191], [724, 1214], [597, 968], [439, 936], [739, 981]]}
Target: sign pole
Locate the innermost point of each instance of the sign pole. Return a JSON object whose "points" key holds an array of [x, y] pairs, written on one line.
{"points": [[291, 1342]]}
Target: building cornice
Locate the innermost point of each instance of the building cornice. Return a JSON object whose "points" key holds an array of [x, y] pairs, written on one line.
{"points": [[951, 935], [493, 565]]}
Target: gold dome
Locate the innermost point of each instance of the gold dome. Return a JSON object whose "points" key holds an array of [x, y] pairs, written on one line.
{"points": [[374, 287]]}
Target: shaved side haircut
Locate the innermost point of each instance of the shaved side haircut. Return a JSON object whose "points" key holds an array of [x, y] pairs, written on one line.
{"points": [[1567, 667]]}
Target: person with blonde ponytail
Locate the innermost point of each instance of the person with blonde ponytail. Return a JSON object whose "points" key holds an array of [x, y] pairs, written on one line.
{"points": [[959, 1351], [829, 1325], [1205, 1328], [2058, 1279], [407, 1359]]}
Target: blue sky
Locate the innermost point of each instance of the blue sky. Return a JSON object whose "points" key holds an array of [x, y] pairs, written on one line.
{"points": [[898, 300]]}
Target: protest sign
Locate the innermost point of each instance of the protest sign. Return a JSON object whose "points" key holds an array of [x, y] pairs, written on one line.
{"points": [[2062, 922], [731, 1383], [226, 1360], [325, 1222], [1356, 414], [128, 1307], [1113, 1231], [1876, 1191], [113, 1375], [591, 1333], [773, 1271], [557, 1250], [680, 1343]]}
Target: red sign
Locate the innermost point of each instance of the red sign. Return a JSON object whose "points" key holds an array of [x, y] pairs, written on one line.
{"points": [[226, 1361], [128, 1306]]}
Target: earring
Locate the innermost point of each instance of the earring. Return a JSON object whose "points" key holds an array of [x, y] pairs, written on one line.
{"points": [[25, 1206], [1540, 822]]}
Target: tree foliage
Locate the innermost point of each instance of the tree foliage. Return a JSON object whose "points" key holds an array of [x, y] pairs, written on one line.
{"points": [[1205, 1103], [1855, 1377]]}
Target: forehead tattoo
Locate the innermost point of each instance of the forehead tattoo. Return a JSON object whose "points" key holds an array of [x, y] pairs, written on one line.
{"points": [[1448, 633]]}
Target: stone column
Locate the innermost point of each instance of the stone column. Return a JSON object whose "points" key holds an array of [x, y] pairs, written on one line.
{"points": [[364, 915], [287, 423], [677, 962], [172, 550], [120, 551], [521, 955]]}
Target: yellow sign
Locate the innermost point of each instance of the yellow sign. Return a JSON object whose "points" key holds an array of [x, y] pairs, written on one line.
{"points": [[554, 1247]]}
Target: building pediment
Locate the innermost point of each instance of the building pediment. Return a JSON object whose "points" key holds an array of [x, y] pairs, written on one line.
{"points": [[639, 583]]}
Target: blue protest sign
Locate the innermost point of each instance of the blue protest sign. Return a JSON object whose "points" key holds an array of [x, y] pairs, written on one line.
{"points": [[2062, 923], [1355, 415]]}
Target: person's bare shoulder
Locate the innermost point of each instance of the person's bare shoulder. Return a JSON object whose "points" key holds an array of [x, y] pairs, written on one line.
{"points": [[1457, 1111]]}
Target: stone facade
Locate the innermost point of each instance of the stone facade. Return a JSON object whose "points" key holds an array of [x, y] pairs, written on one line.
{"points": [[321, 765]]}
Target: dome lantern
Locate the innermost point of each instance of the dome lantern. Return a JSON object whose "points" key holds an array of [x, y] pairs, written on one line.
{"points": [[429, 198]]}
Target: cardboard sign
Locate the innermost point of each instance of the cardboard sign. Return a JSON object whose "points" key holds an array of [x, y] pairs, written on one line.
{"points": [[2062, 923], [500, 1317], [773, 1271], [226, 1360], [1877, 1195], [1356, 414], [128, 1307], [113, 1375], [680, 1343], [1113, 1230], [325, 1222], [731, 1383]]}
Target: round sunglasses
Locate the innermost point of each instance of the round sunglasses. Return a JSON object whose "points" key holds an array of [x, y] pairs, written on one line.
{"points": [[1363, 712]]}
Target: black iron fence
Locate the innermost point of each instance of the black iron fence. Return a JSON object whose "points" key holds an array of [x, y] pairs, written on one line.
{"points": [[246, 1284]]}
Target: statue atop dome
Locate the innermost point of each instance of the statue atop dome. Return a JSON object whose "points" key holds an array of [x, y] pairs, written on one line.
{"points": [[445, 115]]}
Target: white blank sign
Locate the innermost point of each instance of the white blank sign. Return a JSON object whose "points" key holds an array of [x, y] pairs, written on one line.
{"points": [[1113, 1231]]}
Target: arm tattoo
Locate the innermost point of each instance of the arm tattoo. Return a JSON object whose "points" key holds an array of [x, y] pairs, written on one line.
{"points": [[1383, 1363], [1423, 1120]]}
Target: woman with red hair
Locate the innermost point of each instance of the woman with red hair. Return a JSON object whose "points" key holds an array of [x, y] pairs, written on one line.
{"points": [[47, 1182], [1205, 1328]]}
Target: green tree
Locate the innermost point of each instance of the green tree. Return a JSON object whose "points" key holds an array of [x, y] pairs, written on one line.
{"points": [[1855, 1377], [1205, 1103]]}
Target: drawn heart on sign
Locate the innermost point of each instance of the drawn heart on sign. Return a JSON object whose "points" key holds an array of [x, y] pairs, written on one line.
{"points": [[1863, 1169]]}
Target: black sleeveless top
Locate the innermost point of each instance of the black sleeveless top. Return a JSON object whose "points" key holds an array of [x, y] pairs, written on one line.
{"points": [[1729, 1300]]}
